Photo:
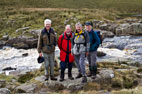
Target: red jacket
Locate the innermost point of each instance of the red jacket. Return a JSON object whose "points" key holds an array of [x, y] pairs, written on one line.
{"points": [[62, 44]]}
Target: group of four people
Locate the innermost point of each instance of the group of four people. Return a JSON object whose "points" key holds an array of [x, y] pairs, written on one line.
{"points": [[73, 46]]}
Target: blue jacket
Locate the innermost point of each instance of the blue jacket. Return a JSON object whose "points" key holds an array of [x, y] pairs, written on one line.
{"points": [[94, 42]]}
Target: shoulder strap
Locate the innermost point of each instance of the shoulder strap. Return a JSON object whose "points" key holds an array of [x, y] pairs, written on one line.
{"points": [[62, 38]]}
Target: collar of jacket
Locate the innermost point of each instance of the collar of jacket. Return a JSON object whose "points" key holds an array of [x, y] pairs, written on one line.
{"points": [[65, 35], [78, 34], [91, 31], [45, 30]]}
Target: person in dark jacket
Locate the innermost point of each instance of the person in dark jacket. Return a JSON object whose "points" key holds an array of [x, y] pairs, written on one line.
{"points": [[46, 47], [94, 44], [64, 44]]}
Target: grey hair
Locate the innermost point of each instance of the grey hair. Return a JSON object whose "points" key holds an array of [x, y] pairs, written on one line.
{"points": [[47, 21], [68, 26], [78, 24]]}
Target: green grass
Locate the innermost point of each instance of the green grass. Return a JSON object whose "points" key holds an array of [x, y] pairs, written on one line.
{"points": [[120, 5], [12, 18], [6, 78]]}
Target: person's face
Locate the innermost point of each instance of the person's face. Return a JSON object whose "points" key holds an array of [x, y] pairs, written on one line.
{"points": [[78, 28], [88, 27], [68, 30], [47, 26]]}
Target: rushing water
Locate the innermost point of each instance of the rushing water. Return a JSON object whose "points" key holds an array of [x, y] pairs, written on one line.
{"points": [[123, 47]]}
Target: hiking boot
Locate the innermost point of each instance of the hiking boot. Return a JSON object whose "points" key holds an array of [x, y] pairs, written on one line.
{"points": [[53, 78], [94, 72], [70, 75], [62, 76], [61, 79], [71, 78], [84, 79], [93, 76], [89, 74], [46, 77], [78, 76]]}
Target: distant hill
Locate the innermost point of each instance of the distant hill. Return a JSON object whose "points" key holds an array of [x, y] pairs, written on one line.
{"points": [[120, 5]]}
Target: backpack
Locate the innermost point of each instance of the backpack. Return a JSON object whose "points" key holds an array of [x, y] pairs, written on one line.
{"points": [[84, 35], [62, 41], [99, 35], [62, 38]]}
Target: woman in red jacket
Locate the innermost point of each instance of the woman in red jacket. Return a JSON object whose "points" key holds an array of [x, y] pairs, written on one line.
{"points": [[64, 44]]}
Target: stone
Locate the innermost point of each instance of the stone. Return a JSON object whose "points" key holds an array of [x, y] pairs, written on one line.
{"points": [[5, 37], [44, 91], [107, 34], [2, 83], [129, 29], [22, 29], [26, 88], [75, 87], [56, 86], [35, 33], [25, 54], [2, 43], [40, 78], [104, 26], [5, 91], [100, 54], [106, 74], [22, 42], [66, 21]]}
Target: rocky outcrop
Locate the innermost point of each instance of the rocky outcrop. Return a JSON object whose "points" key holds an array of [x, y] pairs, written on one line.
{"points": [[5, 91], [26, 88], [22, 42], [2, 43], [131, 46], [35, 33], [126, 27], [2, 83], [107, 34], [130, 29], [107, 74]]}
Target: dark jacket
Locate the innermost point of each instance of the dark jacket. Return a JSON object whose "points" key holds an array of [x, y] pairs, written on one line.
{"points": [[46, 41], [94, 41]]}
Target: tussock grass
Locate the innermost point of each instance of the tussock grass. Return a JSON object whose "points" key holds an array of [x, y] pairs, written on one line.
{"points": [[120, 5]]}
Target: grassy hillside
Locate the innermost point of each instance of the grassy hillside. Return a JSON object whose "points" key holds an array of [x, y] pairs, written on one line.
{"points": [[12, 19], [120, 5], [15, 14]]}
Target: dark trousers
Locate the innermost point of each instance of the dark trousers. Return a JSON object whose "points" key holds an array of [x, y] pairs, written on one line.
{"points": [[63, 66]]}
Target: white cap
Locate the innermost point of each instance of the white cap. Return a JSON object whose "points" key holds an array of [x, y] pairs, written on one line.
{"points": [[47, 21]]}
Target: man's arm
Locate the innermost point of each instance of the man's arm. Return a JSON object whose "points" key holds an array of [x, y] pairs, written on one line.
{"points": [[55, 39], [97, 42], [72, 42], [40, 42], [87, 42]]}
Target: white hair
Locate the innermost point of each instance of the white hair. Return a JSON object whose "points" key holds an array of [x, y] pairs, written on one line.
{"points": [[47, 21], [78, 24], [68, 26]]}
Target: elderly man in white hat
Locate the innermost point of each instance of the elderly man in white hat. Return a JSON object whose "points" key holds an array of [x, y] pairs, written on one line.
{"points": [[46, 48]]}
